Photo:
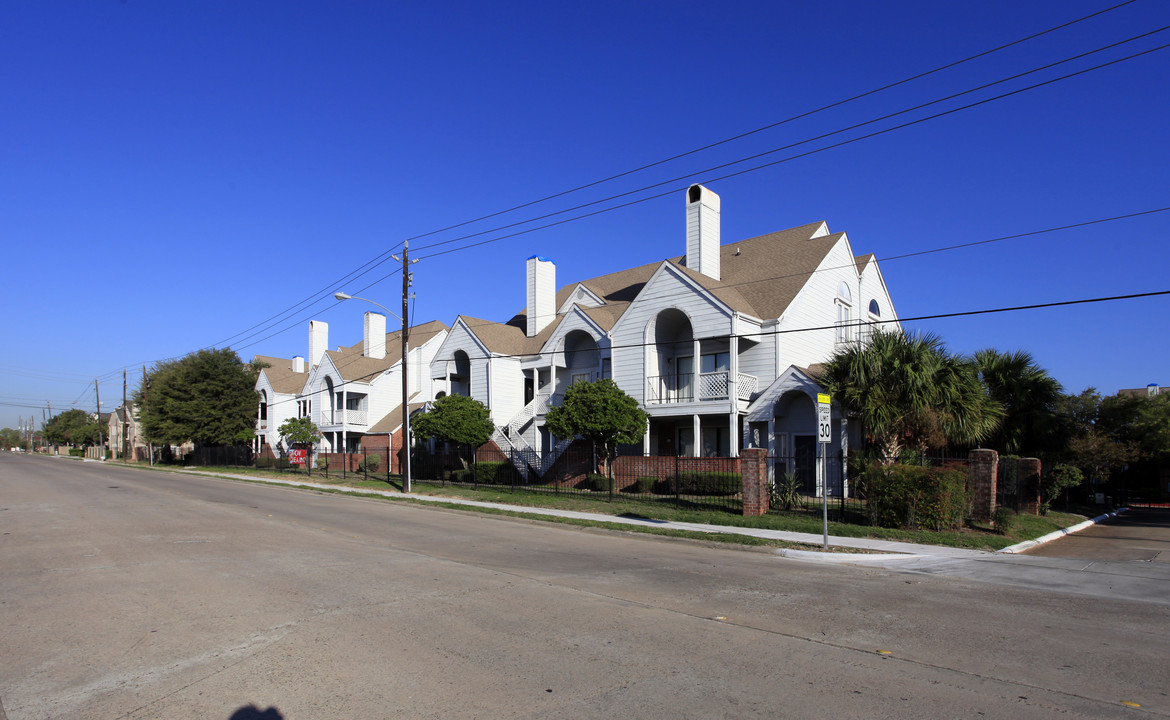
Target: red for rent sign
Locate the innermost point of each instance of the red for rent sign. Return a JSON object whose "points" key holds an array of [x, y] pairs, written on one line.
{"points": [[298, 456]]}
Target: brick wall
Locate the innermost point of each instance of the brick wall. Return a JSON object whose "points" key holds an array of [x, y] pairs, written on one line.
{"points": [[984, 464], [753, 464]]}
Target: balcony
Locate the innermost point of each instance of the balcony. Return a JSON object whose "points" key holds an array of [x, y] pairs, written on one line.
{"points": [[712, 386], [352, 418]]}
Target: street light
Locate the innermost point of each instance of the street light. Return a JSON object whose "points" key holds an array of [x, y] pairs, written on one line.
{"points": [[405, 388]]}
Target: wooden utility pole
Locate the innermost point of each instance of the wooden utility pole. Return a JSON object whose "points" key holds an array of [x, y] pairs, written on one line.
{"points": [[101, 436], [125, 418], [405, 376]]}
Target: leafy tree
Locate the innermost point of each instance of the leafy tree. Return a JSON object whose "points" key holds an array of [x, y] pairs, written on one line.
{"points": [[298, 430], [1143, 422], [1099, 455], [457, 419], [1029, 396], [72, 427], [910, 392], [599, 411], [207, 397], [9, 438]]}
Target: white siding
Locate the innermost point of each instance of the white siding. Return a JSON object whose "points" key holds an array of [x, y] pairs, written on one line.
{"points": [[665, 290], [507, 389], [815, 307]]}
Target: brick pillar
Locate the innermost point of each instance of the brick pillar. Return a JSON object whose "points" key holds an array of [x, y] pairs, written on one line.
{"points": [[1030, 486], [753, 467], [984, 464]]}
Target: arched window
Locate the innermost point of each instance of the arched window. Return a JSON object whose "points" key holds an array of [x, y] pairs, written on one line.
{"points": [[844, 304], [874, 309]]}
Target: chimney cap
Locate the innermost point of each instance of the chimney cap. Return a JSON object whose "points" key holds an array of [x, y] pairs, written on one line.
{"points": [[540, 257]]}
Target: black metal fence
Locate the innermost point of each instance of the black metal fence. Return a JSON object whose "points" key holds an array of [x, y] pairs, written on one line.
{"points": [[683, 482]]}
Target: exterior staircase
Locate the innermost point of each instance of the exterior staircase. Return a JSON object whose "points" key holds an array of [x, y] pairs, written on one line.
{"points": [[510, 438]]}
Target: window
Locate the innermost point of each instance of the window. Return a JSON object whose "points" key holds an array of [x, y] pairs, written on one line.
{"points": [[844, 313], [715, 362]]}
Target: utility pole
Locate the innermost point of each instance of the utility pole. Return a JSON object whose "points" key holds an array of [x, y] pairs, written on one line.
{"points": [[405, 375], [125, 418], [101, 436]]}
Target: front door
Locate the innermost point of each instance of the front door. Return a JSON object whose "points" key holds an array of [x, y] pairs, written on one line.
{"points": [[805, 456]]}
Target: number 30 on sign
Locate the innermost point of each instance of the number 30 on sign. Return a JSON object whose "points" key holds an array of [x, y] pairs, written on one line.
{"points": [[824, 418]]}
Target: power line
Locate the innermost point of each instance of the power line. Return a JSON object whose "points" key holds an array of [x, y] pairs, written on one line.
{"points": [[788, 331], [789, 158], [778, 123], [380, 259]]}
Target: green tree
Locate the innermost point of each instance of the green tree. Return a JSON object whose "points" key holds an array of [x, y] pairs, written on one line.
{"points": [[1029, 397], [910, 392], [456, 419], [599, 411], [10, 438], [72, 427], [207, 397], [1143, 422], [298, 430]]}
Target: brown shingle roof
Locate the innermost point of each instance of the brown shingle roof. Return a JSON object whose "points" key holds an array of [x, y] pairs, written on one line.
{"points": [[281, 376], [353, 366], [760, 276]]}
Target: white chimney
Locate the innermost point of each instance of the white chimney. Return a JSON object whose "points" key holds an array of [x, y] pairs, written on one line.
{"points": [[703, 231], [298, 364], [374, 336], [542, 293], [318, 340]]}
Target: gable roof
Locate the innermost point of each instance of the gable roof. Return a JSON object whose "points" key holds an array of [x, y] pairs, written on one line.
{"points": [[281, 376], [354, 366], [759, 276]]}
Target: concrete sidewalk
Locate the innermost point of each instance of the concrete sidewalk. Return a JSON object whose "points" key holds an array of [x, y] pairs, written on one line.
{"points": [[908, 550]]}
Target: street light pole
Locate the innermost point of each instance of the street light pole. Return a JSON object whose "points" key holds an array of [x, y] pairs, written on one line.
{"points": [[406, 484]]}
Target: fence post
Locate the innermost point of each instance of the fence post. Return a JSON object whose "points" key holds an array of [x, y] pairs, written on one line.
{"points": [[984, 464], [1029, 486], [675, 481], [753, 471]]}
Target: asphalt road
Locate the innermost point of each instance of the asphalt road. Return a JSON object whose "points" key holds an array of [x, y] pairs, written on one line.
{"points": [[136, 594], [1136, 535]]}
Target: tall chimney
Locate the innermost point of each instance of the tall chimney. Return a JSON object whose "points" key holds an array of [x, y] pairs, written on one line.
{"points": [[542, 293], [298, 364], [703, 231], [374, 336], [318, 340]]}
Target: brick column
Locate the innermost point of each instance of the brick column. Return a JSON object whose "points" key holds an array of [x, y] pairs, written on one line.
{"points": [[753, 467], [984, 464], [1030, 486]]}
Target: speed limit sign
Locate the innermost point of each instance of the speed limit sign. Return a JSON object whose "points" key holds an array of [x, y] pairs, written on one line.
{"points": [[824, 419]]}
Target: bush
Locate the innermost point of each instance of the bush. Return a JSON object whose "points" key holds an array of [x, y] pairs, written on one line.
{"points": [[912, 496], [710, 483], [596, 482], [786, 492], [493, 473], [76, 452], [1004, 521], [370, 464], [643, 485]]}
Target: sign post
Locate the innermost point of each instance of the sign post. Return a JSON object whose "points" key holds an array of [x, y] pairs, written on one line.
{"points": [[824, 437]]}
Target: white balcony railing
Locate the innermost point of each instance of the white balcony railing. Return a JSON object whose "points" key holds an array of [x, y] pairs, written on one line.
{"points": [[342, 417], [712, 386]]}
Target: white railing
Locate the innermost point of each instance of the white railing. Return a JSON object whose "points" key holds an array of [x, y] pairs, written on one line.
{"points": [[712, 386], [341, 417]]}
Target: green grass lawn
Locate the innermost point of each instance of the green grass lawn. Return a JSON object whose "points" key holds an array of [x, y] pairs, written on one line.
{"points": [[1023, 527]]}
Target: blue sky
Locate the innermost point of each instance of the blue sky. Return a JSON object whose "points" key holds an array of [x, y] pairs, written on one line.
{"points": [[173, 175]]}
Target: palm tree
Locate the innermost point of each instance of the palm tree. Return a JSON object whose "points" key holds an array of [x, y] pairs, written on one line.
{"points": [[1029, 396], [910, 392]]}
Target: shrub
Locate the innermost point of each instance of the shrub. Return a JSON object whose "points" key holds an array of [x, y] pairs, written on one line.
{"points": [[492, 473], [596, 482], [710, 483], [76, 452], [912, 496], [370, 464], [643, 485], [1004, 521], [786, 492]]}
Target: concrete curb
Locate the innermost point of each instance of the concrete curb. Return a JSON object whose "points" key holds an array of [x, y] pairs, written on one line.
{"points": [[1057, 534]]}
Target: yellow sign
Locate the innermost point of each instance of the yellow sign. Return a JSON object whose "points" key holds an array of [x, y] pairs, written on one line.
{"points": [[823, 399]]}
